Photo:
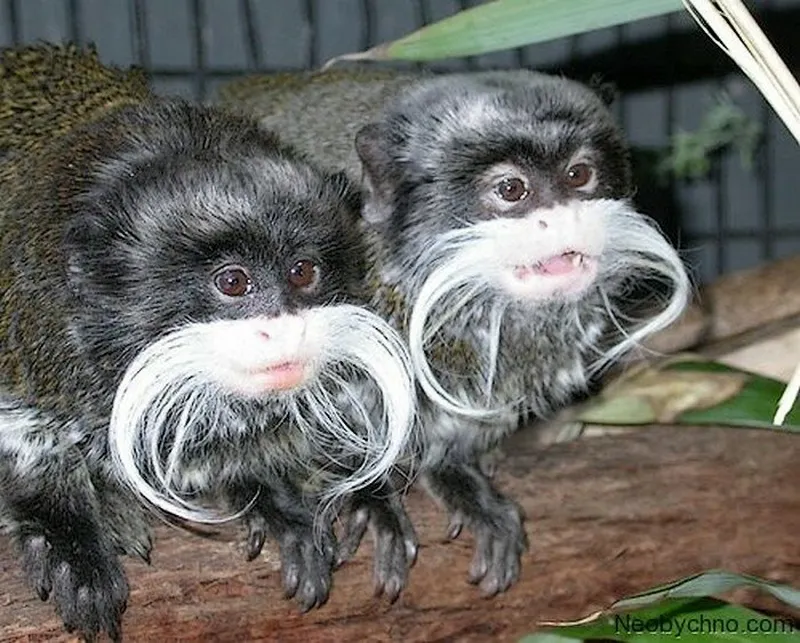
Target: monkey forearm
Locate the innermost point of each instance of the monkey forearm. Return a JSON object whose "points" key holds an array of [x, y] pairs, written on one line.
{"points": [[54, 511]]}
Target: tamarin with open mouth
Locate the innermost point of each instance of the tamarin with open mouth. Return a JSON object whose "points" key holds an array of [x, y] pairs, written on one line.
{"points": [[504, 245], [182, 323]]}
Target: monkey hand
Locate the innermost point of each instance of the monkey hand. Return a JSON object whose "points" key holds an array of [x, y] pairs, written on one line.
{"points": [[500, 541], [83, 577], [495, 521], [306, 562], [393, 535]]}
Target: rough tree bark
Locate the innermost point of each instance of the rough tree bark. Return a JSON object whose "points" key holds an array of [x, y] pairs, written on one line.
{"points": [[607, 516]]}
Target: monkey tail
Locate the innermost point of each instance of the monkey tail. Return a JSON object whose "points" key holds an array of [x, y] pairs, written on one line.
{"points": [[49, 89]]}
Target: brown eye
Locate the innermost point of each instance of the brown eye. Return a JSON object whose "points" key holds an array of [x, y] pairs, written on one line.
{"points": [[233, 282], [512, 190], [303, 274], [579, 175]]}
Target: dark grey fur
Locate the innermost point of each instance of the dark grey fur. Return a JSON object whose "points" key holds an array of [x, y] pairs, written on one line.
{"points": [[109, 238]]}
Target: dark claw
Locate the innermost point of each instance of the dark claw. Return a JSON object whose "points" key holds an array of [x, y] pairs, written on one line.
{"points": [[256, 534], [255, 543], [355, 528], [142, 550], [479, 565], [145, 556], [455, 526]]}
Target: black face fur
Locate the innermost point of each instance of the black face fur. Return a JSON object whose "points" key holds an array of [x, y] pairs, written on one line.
{"points": [[155, 229], [423, 160]]}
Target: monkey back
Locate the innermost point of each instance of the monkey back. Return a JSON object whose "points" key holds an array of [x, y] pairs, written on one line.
{"points": [[318, 112], [51, 98], [48, 89]]}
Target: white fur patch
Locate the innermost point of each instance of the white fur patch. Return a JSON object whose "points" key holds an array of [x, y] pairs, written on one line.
{"points": [[466, 262], [180, 382], [25, 438]]}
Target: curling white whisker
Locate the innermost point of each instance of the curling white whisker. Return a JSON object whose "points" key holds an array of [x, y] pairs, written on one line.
{"points": [[169, 402], [460, 264]]}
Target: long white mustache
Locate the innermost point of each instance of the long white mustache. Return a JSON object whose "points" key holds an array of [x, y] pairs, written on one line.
{"points": [[637, 246], [169, 400], [464, 265]]}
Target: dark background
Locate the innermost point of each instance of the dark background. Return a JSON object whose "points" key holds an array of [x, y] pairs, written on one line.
{"points": [[667, 71]]}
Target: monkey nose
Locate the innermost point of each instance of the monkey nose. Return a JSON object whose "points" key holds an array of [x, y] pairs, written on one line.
{"points": [[286, 329]]}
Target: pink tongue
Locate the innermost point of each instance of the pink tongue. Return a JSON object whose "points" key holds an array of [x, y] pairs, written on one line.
{"points": [[559, 265]]}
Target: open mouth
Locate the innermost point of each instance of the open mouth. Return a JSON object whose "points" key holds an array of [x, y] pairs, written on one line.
{"points": [[283, 376], [565, 264]]}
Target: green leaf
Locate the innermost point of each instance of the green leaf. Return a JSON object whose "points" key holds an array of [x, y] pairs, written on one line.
{"points": [[690, 620], [711, 582], [623, 409], [724, 125], [686, 390], [753, 406], [548, 638], [505, 24], [683, 610]]}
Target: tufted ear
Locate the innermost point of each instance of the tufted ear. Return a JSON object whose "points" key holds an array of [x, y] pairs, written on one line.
{"points": [[381, 174], [606, 91]]}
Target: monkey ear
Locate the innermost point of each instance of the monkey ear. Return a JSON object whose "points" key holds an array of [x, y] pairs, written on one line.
{"points": [[380, 172], [607, 91]]}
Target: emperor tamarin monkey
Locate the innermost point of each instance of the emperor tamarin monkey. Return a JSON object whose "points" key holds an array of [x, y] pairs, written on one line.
{"points": [[505, 246], [181, 321]]}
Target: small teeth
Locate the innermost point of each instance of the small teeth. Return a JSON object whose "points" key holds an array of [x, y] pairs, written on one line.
{"points": [[577, 259]]}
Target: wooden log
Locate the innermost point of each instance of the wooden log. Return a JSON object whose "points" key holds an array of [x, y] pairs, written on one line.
{"points": [[736, 304], [608, 516]]}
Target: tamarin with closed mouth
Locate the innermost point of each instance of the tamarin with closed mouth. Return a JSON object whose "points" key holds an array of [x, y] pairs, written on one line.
{"points": [[505, 246], [182, 323]]}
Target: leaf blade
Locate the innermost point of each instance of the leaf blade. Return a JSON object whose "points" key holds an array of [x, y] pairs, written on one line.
{"points": [[710, 582], [690, 620], [506, 24]]}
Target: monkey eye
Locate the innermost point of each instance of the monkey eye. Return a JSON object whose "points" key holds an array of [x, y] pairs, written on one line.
{"points": [[579, 175], [233, 281], [512, 189], [304, 274]]}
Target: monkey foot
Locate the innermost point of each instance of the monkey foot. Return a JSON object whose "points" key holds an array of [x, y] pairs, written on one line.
{"points": [[500, 541], [394, 537], [307, 567], [306, 563], [85, 581]]}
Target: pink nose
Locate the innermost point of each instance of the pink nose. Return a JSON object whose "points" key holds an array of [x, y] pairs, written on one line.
{"points": [[279, 330]]}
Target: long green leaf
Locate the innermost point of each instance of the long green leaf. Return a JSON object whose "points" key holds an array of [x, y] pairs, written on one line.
{"points": [[505, 24], [709, 583], [689, 620]]}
